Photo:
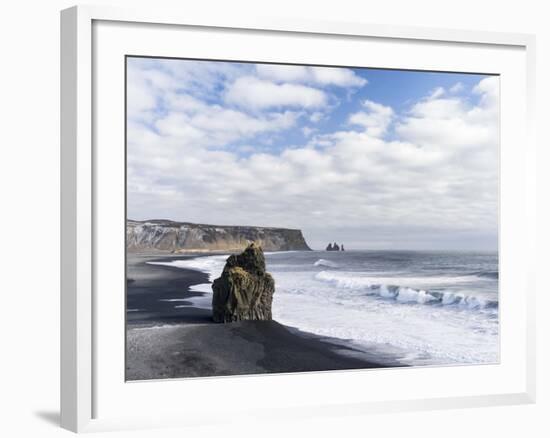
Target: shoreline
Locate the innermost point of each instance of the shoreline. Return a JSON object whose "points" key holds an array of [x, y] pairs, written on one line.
{"points": [[154, 290], [168, 336]]}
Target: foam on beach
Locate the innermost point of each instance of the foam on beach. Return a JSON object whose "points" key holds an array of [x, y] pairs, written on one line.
{"points": [[211, 265]]}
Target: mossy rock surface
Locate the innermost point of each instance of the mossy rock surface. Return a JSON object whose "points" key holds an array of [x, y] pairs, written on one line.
{"points": [[245, 290]]}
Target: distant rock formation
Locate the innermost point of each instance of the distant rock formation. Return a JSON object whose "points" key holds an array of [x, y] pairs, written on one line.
{"points": [[334, 247], [245, 290], [173, 236]]}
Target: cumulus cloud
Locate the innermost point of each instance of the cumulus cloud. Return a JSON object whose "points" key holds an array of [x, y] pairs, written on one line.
{"points": [[283, 73], [316, 117], [437, 92], [140, 100], [216, 126], [488, 90], [453, 123], [457, 88], [418, 177], [375, 119], [307, 131], [251, 92], [159, 96], [341, 77]]}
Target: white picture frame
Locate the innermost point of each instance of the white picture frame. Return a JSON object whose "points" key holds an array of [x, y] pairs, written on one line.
{"points": [[87, 369]]}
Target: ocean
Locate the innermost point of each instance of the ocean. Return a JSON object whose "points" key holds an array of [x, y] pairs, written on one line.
{"points": [[420, 307]]}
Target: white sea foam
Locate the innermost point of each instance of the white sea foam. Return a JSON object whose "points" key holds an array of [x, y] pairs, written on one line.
{"points": [[211, 265], [325, 263], [389, 287], [199, 302], [205, 288], [175, 300], [353, 281], [424, 334]]}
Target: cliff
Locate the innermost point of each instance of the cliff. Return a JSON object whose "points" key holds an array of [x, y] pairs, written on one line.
{"points": [[173, 236]]}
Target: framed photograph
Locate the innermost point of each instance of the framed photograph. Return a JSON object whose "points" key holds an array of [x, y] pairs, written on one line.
{"points": [[335, 218]]}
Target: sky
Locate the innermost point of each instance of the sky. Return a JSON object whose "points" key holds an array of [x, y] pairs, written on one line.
{"points": [[372, 158]]}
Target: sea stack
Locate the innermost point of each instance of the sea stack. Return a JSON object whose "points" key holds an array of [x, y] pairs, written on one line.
{"points": [[334, 247], [245, 290]]}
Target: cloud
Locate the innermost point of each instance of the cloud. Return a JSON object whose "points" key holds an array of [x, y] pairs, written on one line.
{"points": [[340, 77], [375, 119], [438, 108], [307, 131], [216, 126], [408, 178], [316, 117], [489, 91], [140, 100], [488, 88], [283, 73], [436, 93], [251, 92], [454, 124], [457, 88], [160, 97]]}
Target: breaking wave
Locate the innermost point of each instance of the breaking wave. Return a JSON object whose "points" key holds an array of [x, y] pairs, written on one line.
{"points": [[326, 263], [406, 294]]}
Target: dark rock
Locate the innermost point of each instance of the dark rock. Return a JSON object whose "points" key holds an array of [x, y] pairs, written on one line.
{"points": [[334, 247], [245, 290]]}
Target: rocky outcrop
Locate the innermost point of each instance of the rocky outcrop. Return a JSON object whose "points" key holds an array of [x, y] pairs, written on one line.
{"points": [[245, 290], [173, 236], [334, 247]]}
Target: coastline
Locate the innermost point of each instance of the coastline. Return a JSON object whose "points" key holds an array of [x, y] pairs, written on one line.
{"points": [[169, 336]]}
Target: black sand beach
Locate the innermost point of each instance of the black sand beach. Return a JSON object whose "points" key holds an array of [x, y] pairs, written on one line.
{"points": [[150, 287], [169, 341]]}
